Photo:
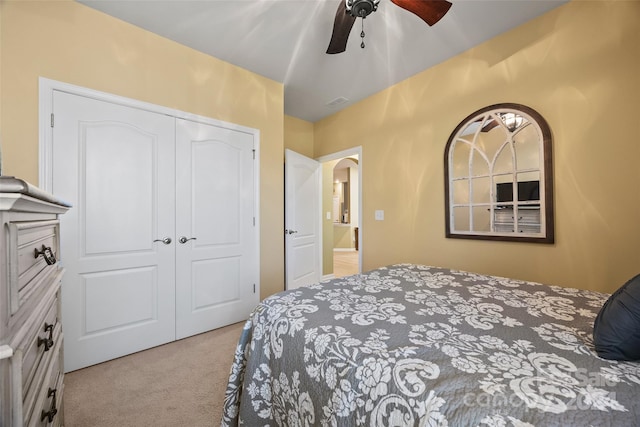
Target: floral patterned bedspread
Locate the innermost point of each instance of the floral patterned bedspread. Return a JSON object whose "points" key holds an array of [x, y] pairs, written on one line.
{"points": [[411, 345]]}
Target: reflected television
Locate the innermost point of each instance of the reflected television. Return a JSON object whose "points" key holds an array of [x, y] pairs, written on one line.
{"points": [[527, 191]]}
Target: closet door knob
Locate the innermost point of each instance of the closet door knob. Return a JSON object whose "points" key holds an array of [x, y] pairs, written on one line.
{"points": [[184, 239], [166, 240]]}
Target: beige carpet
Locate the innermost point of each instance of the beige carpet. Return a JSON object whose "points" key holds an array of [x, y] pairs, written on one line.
{"points": [[177, 384]]}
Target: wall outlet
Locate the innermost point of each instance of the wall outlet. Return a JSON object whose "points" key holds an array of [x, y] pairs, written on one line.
{"points": [[328, 215], [379, 215]]}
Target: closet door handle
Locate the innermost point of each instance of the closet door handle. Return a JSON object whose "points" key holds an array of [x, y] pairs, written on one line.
{"points": [[166, 240], [184, 239]]}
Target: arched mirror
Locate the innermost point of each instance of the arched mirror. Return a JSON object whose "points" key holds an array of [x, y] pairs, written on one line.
{"points": [[498, 176]]}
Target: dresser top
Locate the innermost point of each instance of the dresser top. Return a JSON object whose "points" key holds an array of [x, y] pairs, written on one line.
{"points": [[14, 187]]}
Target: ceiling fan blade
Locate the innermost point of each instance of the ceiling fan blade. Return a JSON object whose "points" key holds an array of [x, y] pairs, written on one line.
{"points": [[489, 124], [341, 28], [429, 10]]}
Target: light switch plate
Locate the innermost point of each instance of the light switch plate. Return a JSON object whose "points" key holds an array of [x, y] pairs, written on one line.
{"points": [[379, 215]]}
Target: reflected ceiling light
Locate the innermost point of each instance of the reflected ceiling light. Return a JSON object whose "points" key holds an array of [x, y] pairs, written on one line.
{"points": [[511, 120]]}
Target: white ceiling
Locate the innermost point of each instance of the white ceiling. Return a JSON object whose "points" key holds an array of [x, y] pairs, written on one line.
{"points": [[286, 40]]}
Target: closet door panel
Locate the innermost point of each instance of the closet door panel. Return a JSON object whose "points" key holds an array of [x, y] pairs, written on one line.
{"points": [[228, 270], [216, 269], [114, 155], [115, 165], [216, 181]]}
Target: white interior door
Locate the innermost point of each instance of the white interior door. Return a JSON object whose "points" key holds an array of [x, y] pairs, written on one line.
{"points": [[216, 252], [115, 165], [302, 220]]}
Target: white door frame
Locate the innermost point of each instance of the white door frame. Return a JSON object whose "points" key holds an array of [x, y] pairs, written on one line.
{"points": [[340, 155]]}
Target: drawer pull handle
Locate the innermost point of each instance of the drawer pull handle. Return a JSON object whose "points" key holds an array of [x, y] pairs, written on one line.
{"points": [[53, 410], [47, 254], [48, 342]]}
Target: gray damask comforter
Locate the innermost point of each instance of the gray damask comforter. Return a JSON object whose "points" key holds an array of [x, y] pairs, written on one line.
{"points": [[411, 345]]}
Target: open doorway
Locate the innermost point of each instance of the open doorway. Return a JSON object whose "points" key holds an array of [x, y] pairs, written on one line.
{"points": [[342, 219], [345, 217]]}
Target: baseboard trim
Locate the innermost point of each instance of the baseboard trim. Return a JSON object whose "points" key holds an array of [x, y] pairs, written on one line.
{"points": [[344, 249], [327, 277]]}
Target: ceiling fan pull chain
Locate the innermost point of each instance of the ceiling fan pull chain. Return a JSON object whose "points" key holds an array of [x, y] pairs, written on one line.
{"points": [[362, 34]]}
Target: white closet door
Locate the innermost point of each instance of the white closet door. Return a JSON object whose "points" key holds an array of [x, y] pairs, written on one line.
{"points": [[217, 267], [115, 164]]}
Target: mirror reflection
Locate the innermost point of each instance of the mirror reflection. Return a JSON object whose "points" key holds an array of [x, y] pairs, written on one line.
{"points": [[498, 176]]}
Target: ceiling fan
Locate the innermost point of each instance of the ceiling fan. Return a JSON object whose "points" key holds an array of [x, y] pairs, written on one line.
{"points": [[348, 10], [510, 120]]}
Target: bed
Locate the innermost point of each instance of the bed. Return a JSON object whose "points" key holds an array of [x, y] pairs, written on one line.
{"points": [[416, 345]]}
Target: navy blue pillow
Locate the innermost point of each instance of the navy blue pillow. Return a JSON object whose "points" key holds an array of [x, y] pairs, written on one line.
{"points": [[616, 330]]}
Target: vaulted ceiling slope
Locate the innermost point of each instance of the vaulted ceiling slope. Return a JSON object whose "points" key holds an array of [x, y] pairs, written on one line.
{"points": [[286, 40]]}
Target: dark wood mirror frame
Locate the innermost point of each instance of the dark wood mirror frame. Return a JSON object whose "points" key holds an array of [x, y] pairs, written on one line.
{"points": [[546, 231]]}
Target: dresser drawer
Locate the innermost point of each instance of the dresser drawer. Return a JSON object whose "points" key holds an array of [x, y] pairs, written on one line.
{"points": [[30, 268], [528, 228], [39, 344], [43, 405]]}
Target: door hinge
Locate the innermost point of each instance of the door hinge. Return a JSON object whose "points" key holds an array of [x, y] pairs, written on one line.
{"points": [[254, 288], [51, 119], [254, 153], [254, 221]]}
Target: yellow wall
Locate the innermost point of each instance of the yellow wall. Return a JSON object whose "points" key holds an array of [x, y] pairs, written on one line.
{"points": [[343, 237], [327, 223], [576, 65], [298, 135], [69, 42]]}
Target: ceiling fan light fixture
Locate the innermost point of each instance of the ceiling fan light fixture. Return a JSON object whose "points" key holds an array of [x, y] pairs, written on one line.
{"points": [[430, 11], [361, 8]]}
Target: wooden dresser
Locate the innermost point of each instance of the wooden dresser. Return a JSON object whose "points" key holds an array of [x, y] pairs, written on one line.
{"points": [[31, 371], [528, 220]]}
